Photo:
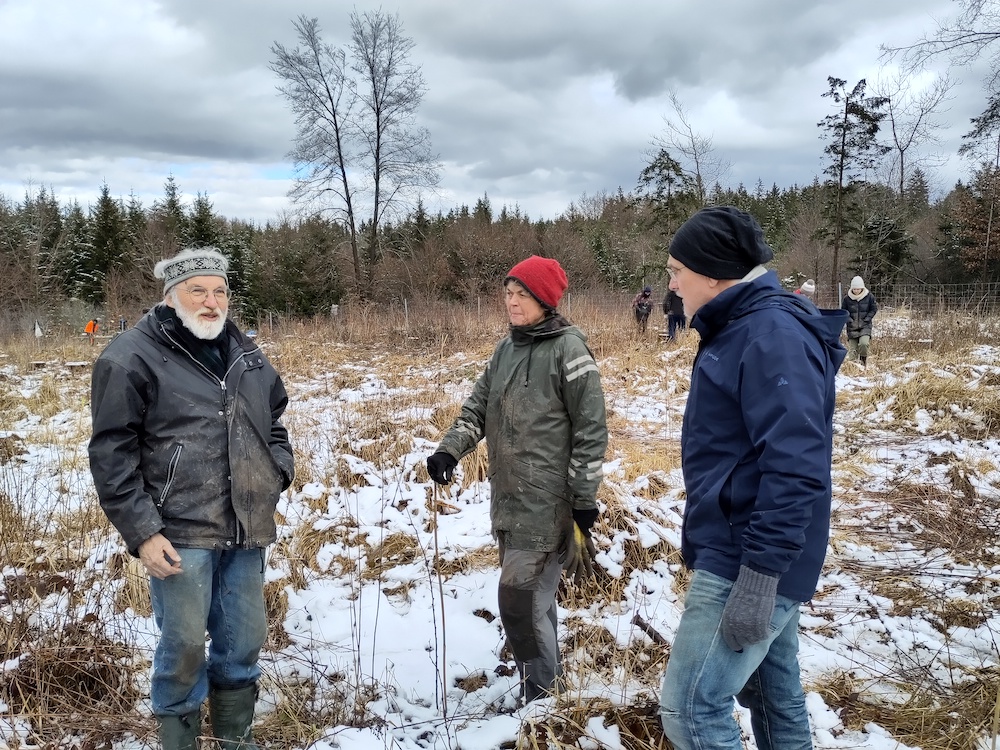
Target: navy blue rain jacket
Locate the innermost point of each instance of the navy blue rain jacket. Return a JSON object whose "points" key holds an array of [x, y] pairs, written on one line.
{"points": [[758, 435]]}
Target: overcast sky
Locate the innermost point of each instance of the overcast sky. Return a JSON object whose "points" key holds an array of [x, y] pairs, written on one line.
{"points": [[532, 102]]}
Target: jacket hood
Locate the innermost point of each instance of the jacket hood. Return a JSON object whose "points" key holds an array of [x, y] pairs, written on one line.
{"points": [[765, 292]]}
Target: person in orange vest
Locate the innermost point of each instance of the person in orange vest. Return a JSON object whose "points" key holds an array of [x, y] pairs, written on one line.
{"points": [[91, 329]]}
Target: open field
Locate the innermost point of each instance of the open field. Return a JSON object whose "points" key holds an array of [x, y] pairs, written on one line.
{"points": [[382, 589]]}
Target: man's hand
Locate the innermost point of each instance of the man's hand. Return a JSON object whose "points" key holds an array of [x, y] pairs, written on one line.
{"points": [[159, 557], [440, 466], [746, 618]]}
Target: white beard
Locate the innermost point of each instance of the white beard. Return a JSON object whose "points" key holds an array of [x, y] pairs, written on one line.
{"points": [[202, 329]]}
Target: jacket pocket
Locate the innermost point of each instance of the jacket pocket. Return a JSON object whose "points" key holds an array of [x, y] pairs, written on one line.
{"points": [[175, 459]]}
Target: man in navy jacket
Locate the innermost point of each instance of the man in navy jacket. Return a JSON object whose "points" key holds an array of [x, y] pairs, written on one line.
{"points": [[756, 453]]}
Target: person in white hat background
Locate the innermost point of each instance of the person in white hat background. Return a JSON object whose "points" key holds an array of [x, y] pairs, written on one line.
{"points": [[189, 456], [861, 305], [807, 290]]}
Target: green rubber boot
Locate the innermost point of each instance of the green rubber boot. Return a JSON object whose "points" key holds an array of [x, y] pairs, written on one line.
{"points": [[231, 712], [180, 732]]}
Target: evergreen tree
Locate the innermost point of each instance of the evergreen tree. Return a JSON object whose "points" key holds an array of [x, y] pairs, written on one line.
{"points": [[852, 149], [171, 220], [76, 252], [201, 228]]}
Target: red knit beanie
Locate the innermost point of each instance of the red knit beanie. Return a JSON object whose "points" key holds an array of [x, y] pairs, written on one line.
{"points": [[544, 278]]}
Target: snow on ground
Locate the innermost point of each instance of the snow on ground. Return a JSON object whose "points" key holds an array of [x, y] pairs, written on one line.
{"points": [[379, 639]]}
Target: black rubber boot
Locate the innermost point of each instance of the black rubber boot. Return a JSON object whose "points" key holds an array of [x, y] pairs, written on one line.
{"points": [[180, 732], [864, 362], [231, 712]]}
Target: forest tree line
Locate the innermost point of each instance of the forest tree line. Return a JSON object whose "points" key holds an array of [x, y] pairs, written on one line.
{"points": [[361, 232], [103, 255]]}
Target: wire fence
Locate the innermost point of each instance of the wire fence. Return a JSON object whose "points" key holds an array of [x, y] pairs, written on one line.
{"points": [[981, 299]]}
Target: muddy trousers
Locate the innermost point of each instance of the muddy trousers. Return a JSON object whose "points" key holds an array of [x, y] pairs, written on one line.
{"points": [[527, 598]]}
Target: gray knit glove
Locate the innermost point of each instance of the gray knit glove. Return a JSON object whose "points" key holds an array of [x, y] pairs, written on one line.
{"points": [[746, 618]]}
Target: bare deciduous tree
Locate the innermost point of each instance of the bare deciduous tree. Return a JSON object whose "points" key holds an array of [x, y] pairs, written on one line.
{"points": [[697, 154], [358, 153], [910, 116], [974, 30]]}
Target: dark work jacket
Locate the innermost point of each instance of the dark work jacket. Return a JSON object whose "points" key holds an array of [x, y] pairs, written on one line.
{"points": [[177, 450], [862, 312], [673, 304], [757, 440], [540, 406]]}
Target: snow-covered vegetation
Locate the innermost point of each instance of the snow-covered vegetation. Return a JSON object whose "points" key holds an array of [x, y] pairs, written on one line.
{"points": [[381, 591]]}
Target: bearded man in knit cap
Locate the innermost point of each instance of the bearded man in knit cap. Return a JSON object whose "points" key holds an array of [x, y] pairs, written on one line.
{"points": [[188, 456], [540, 406], [756, 450]]}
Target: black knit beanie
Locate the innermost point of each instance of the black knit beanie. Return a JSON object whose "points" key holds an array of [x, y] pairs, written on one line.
{"points": [[721, 242]]}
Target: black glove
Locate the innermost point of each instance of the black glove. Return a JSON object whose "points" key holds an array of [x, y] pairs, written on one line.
{"points": [[440, 466], [746, 618], [585, 518]]}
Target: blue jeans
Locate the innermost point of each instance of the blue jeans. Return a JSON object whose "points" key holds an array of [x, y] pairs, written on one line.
{"points": [[675, 323], [704, 675], [218, 592]]}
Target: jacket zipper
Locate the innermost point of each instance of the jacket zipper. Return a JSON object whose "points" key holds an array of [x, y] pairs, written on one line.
{"points": [[222, 385], [171, 475]]}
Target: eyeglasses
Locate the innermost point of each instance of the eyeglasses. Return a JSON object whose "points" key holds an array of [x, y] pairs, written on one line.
{"points": [[672, 271], [200, 293]]}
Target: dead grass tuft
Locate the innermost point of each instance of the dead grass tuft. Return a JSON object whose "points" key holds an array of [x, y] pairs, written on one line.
{"points": [[395, 549], [276, 607], [481, 558], [133, 594], [935, 518], [933, 717], [61, 677], [566, 728], [951, 402]]}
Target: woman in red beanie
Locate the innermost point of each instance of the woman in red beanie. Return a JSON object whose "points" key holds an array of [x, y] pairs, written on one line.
{"points": [[540, 407]]}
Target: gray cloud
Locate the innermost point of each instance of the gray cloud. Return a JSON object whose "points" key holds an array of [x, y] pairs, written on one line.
{"points": [[534, 103]]}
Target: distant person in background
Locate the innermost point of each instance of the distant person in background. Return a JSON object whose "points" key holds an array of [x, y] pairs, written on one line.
{"points": [[122, 324], [642, 305], [540, 407], [673, 311], [808, 289], [93, 325], [861, 305]]}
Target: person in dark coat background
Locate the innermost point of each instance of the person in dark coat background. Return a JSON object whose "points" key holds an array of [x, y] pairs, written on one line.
{"points": [[642, 306], [756, 453], [861, 306], [673, 311]]}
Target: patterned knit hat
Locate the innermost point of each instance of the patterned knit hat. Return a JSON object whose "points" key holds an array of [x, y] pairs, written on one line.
{"points": [[808, 286], [190, 262], [544, 279]]}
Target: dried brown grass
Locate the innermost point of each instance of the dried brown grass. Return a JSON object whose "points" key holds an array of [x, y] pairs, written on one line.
{"points": [[400, 350], [929, 716]]}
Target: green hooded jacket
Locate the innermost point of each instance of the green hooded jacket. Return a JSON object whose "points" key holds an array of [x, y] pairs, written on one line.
{"points": [[540, 406]]}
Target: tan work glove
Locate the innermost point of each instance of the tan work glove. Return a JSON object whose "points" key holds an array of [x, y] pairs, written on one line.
{"points": [[579, 563]]}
